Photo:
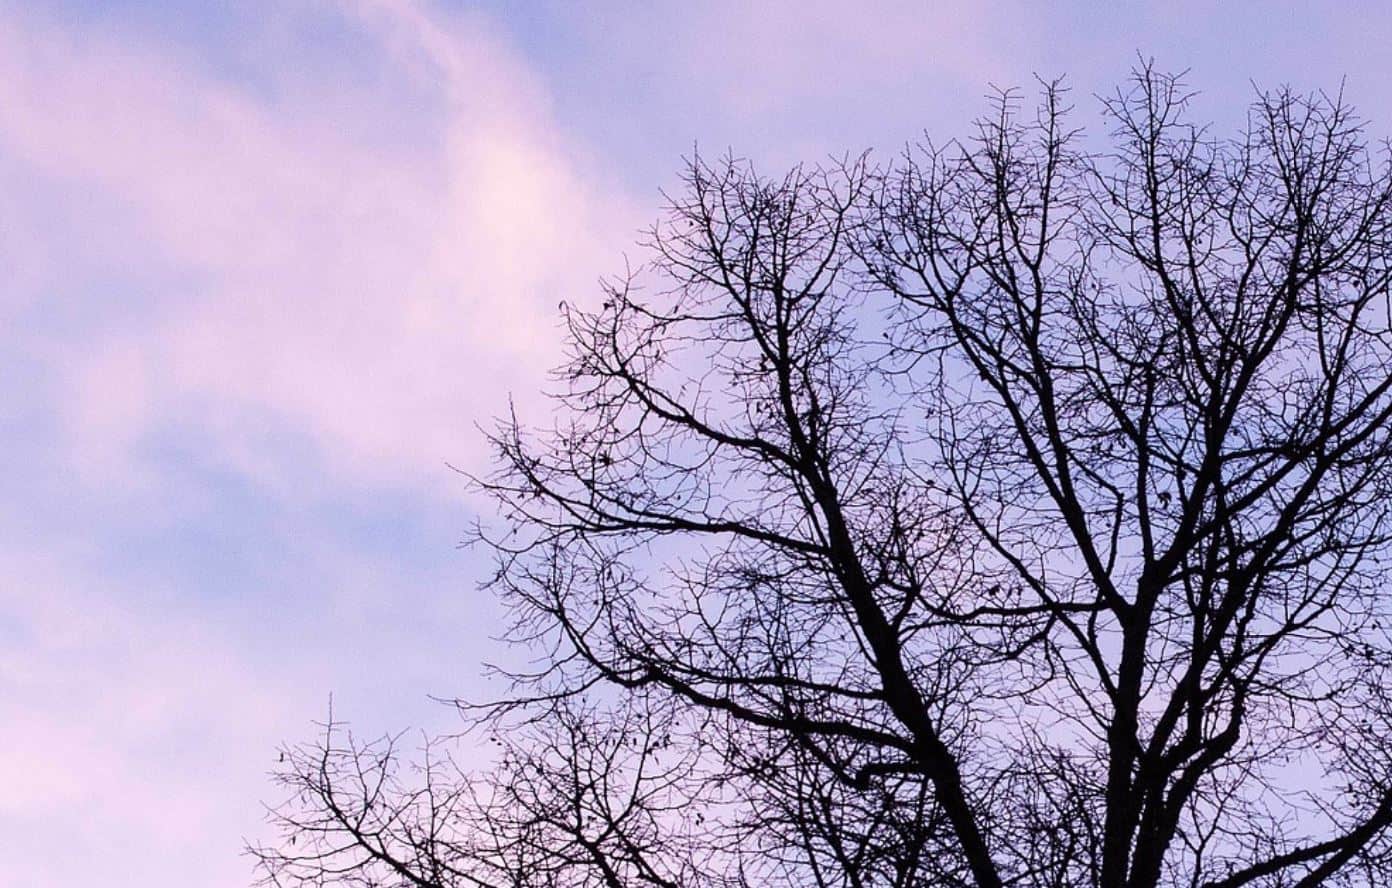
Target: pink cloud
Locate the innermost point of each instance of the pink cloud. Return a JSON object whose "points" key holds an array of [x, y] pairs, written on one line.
{"points": [[378, 299], [122, 734], [139, 730], [300, 278]]}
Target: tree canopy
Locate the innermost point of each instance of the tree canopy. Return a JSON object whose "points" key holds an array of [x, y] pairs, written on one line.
{"points": [[1013, 513]]}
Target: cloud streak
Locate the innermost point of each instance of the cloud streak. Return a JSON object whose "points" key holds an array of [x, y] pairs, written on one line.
{"points": [[250, 327], [372, 299]]}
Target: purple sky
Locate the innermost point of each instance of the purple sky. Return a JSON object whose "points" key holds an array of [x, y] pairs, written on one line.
{"points": [[266, 265]]}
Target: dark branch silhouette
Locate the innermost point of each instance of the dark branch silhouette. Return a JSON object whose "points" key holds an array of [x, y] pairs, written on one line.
{"points": [[1014, 514]]}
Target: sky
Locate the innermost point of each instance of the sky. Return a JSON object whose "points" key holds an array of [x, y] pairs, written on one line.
{"points": [[267, 267]]}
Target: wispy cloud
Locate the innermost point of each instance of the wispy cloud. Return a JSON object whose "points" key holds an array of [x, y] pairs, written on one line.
{"points": [[248, 327], [376, 299]]}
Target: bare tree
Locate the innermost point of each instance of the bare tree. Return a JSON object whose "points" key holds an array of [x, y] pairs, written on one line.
{"points": [[1015, 514]]}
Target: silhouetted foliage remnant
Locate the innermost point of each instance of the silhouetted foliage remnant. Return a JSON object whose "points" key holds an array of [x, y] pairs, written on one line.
{"points": [[1013, 514]]}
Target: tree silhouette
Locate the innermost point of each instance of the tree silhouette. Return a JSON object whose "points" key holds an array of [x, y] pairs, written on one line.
{"points": [[1013, 514]]}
